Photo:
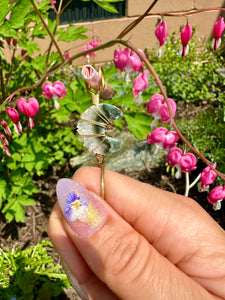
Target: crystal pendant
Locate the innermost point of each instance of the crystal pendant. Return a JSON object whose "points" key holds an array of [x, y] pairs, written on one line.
{"points": [[93, 128]]}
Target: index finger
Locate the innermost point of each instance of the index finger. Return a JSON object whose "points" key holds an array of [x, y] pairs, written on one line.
{"points": [[176, 226]]}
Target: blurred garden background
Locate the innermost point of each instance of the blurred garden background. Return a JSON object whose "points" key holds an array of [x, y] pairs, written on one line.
{"points": [[35, 37]]}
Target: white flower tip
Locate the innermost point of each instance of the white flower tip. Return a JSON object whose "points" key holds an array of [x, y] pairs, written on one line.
{"points": [[57, 105], [217, 205], [139, 99]]}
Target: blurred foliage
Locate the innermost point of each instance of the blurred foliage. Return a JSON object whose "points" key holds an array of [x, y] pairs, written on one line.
{"points": [[30, 274]]}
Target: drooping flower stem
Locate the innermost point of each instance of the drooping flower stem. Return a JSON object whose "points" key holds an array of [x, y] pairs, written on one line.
{"points": [[172, 121], [181, 14], [133, 24]]}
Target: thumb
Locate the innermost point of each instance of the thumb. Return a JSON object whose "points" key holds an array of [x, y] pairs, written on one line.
{"points": [[119, 256]]}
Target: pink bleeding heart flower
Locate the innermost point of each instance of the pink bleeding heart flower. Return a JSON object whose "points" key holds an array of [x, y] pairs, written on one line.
{"points": [[29, 108], [14, 116], [157, 136], [157, 107], [161, 34], [217, 32], [59, 89], [216, 195], [135, 61], [47, 90], [6, 127], [185, 35], [170, 140], [173, 157], [140, 83], [188, 162], [5, 144], [122, 58], [4, 141], [55, 90], [85, 48], [208, 176], [67, 56], [162, 138], [94, 43]]}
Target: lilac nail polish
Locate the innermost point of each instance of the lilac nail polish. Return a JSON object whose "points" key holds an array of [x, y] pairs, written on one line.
{"points": [[83, 211]]}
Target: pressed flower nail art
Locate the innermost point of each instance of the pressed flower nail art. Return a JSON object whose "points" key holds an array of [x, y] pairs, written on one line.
{"points": [[83, 211], [76, 208]]}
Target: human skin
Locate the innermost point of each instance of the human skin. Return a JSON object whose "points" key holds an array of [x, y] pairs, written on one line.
{"points": [[153, 244]]}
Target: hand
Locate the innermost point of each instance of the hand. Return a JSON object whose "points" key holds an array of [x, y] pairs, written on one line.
{"points": [[140, 243]]}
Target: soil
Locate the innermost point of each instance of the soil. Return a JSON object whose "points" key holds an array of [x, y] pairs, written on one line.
{"points": [[34, 229]]}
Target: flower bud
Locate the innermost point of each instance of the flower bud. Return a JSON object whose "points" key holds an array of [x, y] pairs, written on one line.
{"points": [[161, 32], [186, 34], [217, 32], [13, 114], [4, 141], [6, 127]]}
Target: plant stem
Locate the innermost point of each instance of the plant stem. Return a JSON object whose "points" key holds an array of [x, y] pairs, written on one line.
{"points": [[188, 186], [10, 71], [195, 181], [65, 6], [54, 32], [187, 182], [192, 12], [143, 58], [49, 32], [136, 22], [2, 80]]}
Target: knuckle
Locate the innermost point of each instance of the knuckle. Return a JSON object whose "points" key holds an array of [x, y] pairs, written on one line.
{"points": [[126, 256]]}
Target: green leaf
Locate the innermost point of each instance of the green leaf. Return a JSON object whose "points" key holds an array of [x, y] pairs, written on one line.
{"points": [[19, 13], [25, 201], [4, 10], [71, 33], [119, 124], [3, 185], [107, 6], [139, 124]]}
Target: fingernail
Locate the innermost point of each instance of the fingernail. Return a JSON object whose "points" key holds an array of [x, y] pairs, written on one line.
{"points": [[80, 289], [83, 211]]}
